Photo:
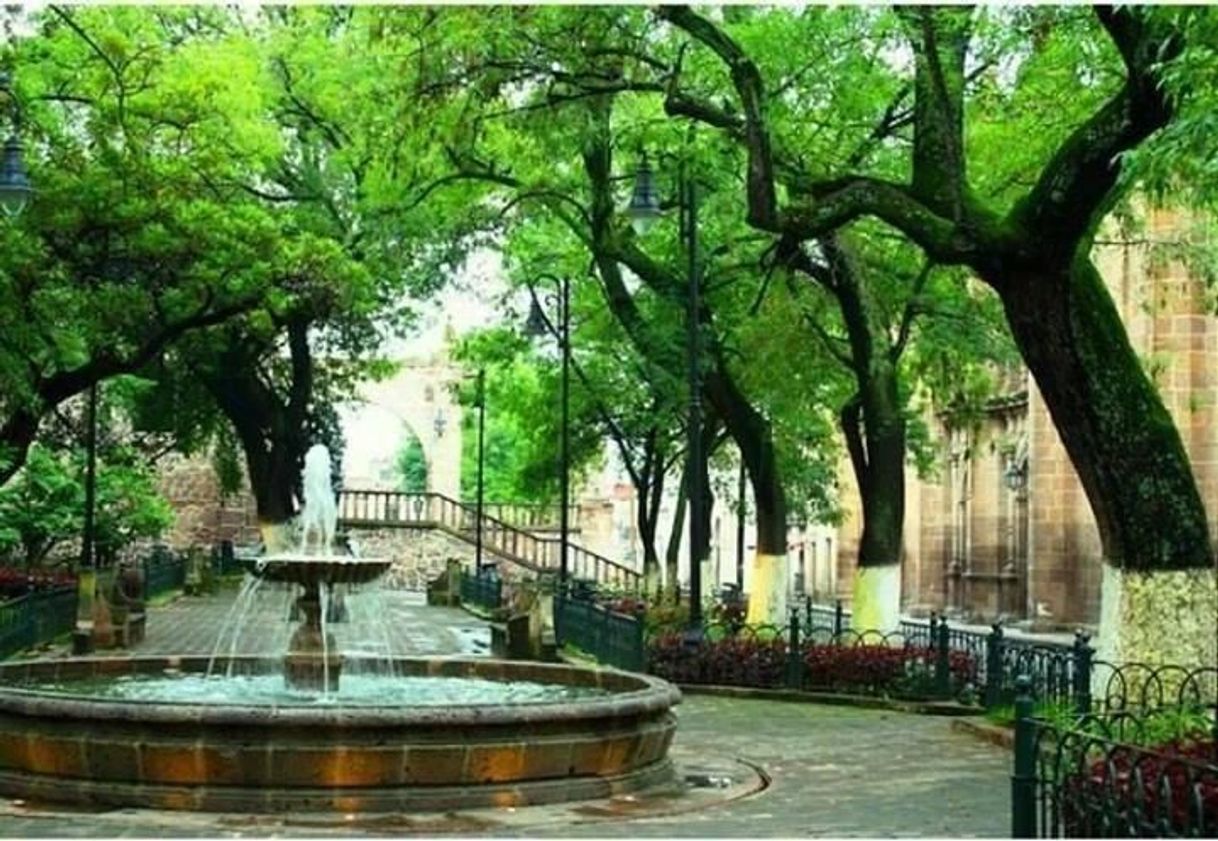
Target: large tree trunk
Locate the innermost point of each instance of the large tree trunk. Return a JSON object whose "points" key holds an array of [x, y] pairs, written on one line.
{"points": [[767, 588], [1160, 597], [273, 432], [874, 429], [875, 437]]}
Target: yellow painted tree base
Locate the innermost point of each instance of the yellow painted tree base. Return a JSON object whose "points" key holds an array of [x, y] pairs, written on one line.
{"points": [[277, 537], [768, 590], [876, 605]]}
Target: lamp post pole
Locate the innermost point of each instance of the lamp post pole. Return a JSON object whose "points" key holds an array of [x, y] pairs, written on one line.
{"points": [[689, 207], [741, 488], [539, 325], [644, 210], [565, 476], [481, 469]]}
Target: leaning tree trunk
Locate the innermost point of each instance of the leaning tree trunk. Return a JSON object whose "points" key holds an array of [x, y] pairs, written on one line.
{"points": [[875, 437], [770, 574], [874, 429], [1159, 594]]}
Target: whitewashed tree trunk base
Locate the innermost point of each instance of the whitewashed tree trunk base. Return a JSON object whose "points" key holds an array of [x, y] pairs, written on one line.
{"points": [[278, 537], [768, 590], [876, 605], [1162, 618]]}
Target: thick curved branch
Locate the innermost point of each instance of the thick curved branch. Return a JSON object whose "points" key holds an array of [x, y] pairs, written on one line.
{"points": [[762, 195], [1075, 187]]}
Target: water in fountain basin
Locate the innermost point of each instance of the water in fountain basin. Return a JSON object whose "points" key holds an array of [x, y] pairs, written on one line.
{"points": [[357, 689]]}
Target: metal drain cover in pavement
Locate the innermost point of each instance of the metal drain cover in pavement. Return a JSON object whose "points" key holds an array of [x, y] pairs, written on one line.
{"points": [[708, 780]]}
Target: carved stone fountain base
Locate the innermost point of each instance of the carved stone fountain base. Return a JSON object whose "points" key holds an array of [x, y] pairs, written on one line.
{"points": [[312, 663]]}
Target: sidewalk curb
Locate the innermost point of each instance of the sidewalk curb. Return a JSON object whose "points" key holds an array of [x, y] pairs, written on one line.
{"points": [[1003, 737], [940, 708]]}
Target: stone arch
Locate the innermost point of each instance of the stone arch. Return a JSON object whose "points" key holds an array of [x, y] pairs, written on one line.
{"points": [[418, 399]]}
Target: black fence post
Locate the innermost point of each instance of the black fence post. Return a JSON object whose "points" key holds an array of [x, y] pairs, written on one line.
{"points": [[942, 663], [1023, 780], [934, 630], [560, 618], [1082, 673], [808, 612], [837, 619], [794, 661], [993, 667]]}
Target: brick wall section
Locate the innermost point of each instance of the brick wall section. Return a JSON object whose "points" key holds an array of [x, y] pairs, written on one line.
{"points": [[203, 516]]}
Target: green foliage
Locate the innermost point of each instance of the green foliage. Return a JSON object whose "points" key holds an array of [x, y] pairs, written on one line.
{"points": [[412, 466], [43, 505]]}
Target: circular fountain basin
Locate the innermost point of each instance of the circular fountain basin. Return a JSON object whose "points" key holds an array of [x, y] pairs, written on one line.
{"points": [[561, 733], [319, 569]]}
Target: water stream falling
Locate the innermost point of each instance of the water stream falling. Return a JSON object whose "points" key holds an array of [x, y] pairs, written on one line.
{"points": [[240, 624], [380, 610], [324, 589], [248, 585]]}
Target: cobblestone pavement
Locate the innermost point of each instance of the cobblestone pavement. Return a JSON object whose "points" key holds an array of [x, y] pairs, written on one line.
{"points": [[378, 619], [789, 769]]}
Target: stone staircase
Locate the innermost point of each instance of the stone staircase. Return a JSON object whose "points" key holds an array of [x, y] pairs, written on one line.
{"points": [[360, 510]]}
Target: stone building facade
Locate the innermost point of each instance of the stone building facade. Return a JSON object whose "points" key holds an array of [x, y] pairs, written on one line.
{"points": [[1004, 529]]}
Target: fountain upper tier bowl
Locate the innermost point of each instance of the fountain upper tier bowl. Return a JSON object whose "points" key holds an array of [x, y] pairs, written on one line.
{"points": [[61, 741], [296, 568]]}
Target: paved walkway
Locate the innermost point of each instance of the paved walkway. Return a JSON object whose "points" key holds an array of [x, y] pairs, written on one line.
{"points": [[786, 769]]}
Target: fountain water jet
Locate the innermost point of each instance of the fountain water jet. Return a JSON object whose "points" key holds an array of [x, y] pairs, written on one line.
{"points": [[313, 662]]}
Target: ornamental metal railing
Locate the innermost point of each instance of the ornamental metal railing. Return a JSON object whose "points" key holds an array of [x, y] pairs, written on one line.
{"points": [[613, 638], [1137, 772], [484, 590], [36, 618]]}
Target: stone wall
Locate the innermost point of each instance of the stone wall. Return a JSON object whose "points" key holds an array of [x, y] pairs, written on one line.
{"points": [[420, 555], [203, 516]]}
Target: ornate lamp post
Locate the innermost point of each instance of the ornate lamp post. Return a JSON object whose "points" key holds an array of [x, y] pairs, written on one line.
{"points": [[481, 398], [15, 189], [643, 210], [539, 325]]}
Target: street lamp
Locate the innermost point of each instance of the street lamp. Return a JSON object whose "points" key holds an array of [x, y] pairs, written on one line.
{"points": [[644, 208], [15, 189], [643, 211], [481, 398], [539, 325], [1016, 475]]}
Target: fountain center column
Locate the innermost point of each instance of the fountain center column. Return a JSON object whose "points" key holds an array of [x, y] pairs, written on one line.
{"points": [[312, 663]]}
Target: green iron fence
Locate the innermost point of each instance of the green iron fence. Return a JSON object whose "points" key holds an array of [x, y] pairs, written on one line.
{"points": [[1137, 772], [610, 637], [164, 570], [485, 590], [36, 618]]}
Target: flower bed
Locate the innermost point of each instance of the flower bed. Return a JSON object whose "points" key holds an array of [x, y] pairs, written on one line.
{"points": [[15, 583], [1166, 790], [760, 660], [730, 661], [880, 669]]}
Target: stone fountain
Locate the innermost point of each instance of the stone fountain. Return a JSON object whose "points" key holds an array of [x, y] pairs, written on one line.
{"points": [[224, 733], [313, 661]]}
